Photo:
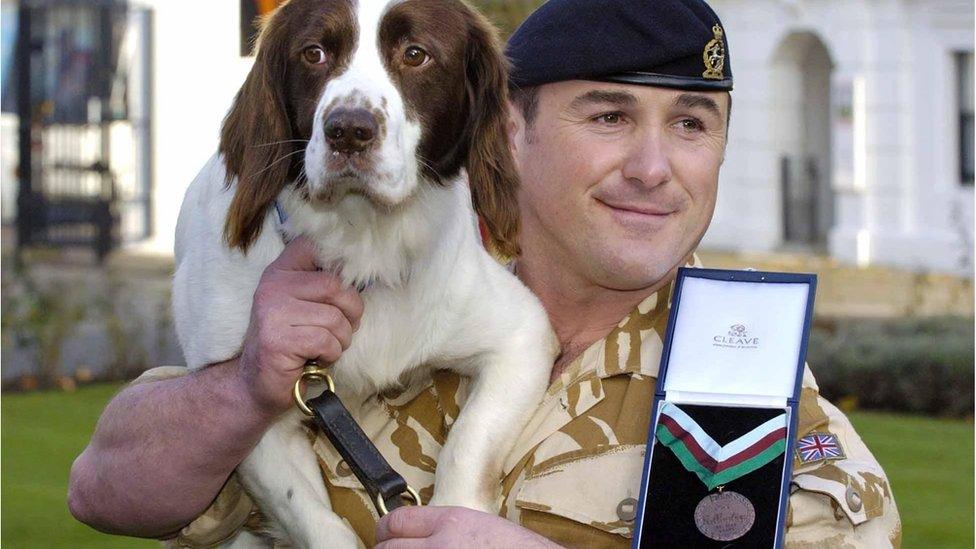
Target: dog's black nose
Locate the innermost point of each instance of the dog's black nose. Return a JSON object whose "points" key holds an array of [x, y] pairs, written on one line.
{"points": [[350, 130]]}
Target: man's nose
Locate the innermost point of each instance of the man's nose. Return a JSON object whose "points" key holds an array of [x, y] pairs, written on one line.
{"points": [[649, 163], [350, 130]]}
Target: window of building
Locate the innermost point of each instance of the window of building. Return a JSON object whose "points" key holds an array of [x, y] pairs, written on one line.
{"points": [[964, 78]]}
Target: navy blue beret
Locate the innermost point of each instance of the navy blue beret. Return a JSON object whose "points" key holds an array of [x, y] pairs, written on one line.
{"points": [[671, 43]]}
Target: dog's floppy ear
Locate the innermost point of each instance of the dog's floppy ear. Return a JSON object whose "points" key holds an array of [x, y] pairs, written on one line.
{"points": [[256, 138], [491, 169]]}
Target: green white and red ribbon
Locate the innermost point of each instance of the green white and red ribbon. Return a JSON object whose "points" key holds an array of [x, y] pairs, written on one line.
{"points": [[714, 463]]}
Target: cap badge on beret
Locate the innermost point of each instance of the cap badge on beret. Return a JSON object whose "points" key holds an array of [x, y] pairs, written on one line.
{"points": [[714, 56], [661, 43]]}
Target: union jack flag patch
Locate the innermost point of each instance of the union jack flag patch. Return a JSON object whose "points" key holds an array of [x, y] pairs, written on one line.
{"points": [[818, 447]]}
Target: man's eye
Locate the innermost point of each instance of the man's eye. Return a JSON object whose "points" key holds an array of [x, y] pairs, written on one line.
{"points": [[691, 125], [609, 118]]}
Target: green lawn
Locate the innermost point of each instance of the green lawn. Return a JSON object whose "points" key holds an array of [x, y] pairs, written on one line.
{"points": [[41, 435], [930, 463]]}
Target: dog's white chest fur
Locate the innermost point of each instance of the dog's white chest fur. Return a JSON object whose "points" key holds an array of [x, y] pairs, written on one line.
{"points": [[440, 302], [357, 119]]}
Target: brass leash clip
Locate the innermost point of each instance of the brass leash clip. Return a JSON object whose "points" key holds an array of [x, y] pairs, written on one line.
{"points": [[409, 494], [312, 373]]}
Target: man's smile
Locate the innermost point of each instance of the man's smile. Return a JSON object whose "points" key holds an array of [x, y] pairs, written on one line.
{"points": [[635, 215]]}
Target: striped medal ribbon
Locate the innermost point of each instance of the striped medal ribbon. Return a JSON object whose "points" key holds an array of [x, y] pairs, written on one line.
{"points": [[714, 463], [726, 515]]}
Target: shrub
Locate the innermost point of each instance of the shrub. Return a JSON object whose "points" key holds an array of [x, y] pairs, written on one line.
{"points": [[912, 365]]}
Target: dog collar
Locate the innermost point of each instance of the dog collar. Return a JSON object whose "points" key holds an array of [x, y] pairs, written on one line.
{"points": [[282, 218]]}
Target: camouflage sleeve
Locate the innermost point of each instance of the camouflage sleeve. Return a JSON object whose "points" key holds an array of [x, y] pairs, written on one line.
{"points": [[230, 511], [841, 500], [160, 373]]}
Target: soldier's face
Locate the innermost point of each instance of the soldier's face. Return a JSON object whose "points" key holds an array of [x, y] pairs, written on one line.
{"points": [[618, 181]]}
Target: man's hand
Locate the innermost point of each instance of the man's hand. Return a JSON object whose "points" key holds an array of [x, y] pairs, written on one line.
{"points": [[437, 527], [299, 313], [191, 431]]}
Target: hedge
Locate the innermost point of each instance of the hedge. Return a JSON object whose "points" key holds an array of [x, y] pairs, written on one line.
{"points": [[915, 365]]}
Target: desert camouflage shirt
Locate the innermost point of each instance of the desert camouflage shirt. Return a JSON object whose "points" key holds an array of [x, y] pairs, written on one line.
{"points": [[575, 471]]}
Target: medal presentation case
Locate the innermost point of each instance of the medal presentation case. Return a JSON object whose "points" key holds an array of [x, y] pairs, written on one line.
{"points": [[719, 453]]}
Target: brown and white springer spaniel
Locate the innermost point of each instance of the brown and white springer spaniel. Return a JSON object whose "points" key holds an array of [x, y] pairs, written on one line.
{"points": [[377, 128]]}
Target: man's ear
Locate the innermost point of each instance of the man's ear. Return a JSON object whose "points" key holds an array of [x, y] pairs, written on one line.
{"points": [[514, 128], [256, 139]]}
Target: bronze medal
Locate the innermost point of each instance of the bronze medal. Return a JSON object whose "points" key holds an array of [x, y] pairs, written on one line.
{"points": [[724, 516]]}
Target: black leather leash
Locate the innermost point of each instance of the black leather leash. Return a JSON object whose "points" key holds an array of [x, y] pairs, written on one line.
{"points": [[386, 488]]}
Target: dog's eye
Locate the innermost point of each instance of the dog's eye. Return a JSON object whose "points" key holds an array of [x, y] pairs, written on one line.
{"points": [[314, 55], [414, 56]]}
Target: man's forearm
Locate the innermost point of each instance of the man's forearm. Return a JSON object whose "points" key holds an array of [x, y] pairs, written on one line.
{"points": [[162, 450]]}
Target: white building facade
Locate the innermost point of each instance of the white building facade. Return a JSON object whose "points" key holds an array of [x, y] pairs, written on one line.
{"points": [[851, 131], [198, 69]]}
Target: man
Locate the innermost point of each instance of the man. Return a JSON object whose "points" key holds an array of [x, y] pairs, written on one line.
{"points": [[618, 127]]}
